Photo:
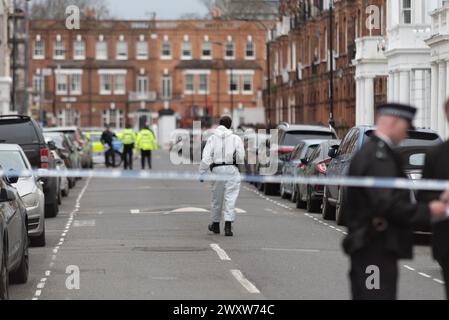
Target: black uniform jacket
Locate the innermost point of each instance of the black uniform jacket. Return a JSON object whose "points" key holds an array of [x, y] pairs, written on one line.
{"points": [[394, 207], [437, 168]]}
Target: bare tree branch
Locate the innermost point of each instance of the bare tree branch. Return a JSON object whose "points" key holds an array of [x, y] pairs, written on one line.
{"points": [[55, 9]]}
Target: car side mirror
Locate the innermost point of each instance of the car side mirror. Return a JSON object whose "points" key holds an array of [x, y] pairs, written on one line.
{"points": [[12, 177], [304, 161], [7, 195], [333, 152]]}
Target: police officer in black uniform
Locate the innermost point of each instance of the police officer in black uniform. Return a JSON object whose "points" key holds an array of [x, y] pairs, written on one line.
{"points": [[380, 221], [436, 168]]}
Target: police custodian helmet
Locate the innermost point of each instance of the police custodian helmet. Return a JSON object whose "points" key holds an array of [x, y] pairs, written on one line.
{"points": [[398, 110]]}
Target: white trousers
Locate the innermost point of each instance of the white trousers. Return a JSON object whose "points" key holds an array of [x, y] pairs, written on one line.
{"points": [[225, 194]]}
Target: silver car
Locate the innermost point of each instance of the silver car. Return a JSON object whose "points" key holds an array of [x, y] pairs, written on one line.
{"points": [[12, 158]]}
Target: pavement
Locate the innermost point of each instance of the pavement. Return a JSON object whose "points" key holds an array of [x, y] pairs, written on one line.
{"points": [[136, 239]]}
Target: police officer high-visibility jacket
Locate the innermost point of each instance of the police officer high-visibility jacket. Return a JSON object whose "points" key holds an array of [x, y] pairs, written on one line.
{"points": [[146, 140], [127, 136]]}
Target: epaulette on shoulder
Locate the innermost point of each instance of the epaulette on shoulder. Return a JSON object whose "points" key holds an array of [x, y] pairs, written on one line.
{"points": [[381, 151]]}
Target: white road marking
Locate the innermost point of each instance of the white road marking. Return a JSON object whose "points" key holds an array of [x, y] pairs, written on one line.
{"points": [[424, 275], [238, 210], [438, 281], [409, 268], [41, 284], [251, 288], [221, 253], [84, 223], [135, 211], [181, 210]]}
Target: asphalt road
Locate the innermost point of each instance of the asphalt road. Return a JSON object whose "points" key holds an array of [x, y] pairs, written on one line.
{"points": [[149, 240]]}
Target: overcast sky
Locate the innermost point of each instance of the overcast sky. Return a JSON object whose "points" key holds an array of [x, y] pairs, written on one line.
{"points": [[165, 9]]}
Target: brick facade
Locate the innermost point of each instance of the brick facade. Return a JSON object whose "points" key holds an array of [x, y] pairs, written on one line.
{"points": [[163, 60], [300, 63]]}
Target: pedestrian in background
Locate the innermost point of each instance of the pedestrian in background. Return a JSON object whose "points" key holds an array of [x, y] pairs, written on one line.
{"points": [[381, 221], [222, 154], [146, 143], [107, 139], [128, 138], [437, 168]]}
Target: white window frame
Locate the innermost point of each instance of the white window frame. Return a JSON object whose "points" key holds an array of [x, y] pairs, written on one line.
{"points": [[200, 90], [164, 56], [253, 56], [38, 83], [244, 77], [41, 54], [62, 82], [105, 79], [229, 43], [76, 50], [188, 91], [101, 54], [58, 50], [206, 57], [404, 10], [121, 50], [230, 82], [78, 89], [142, 80], [183, 50], [166, 83], [108, 114], [142, 50], [119, 87]]}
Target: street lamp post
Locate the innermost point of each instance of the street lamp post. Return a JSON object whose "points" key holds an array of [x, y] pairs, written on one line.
{"points": [[331, 65]]}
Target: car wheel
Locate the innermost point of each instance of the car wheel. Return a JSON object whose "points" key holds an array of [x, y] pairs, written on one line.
{"points": [[20, 276], [72, 183], [299, 203], [39, 241], [284, 195], [51, 210], [328, 211], [4, 277], [339, 210], [293, 194], [65, 193], [60, 196], [271, 189], [312, 206]]}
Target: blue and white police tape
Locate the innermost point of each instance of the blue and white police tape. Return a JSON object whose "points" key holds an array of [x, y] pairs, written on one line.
{"points": [[367, 182]]}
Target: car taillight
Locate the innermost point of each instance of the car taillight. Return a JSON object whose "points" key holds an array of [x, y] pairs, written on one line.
{"points": [[44, 154], [301, 166], [322, 166]]}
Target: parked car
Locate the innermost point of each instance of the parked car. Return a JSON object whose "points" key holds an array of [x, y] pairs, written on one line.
{"points": [[24, 131], [63, 182], [81, 143], [29, 187], [289, 136], [311, 195], [67, 151], [334, 200], [294, 167], [14, 264]]}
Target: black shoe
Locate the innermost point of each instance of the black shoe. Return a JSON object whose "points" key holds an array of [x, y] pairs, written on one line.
{"points": [[228, 229], [215, 227]]}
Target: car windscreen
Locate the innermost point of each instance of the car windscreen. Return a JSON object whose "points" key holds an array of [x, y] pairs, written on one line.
{"points": [[18, 132], [12, 160], [292, 138], [95, 137]]}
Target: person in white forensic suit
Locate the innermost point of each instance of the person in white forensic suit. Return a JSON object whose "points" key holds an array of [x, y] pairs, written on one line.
{"points": [[223, 152]]}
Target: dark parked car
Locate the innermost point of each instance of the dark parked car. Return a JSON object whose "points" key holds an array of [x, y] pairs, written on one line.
{"points": [[294, 167], [289, 136], [13, 237], [334, 200], [80, 142], [24, 131], [67, 151], [311, 195]]}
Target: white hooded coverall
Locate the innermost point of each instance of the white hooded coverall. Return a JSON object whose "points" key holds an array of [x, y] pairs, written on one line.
{"points": [[221, 148]]}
